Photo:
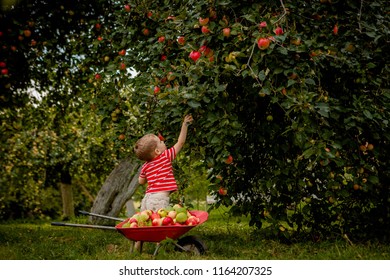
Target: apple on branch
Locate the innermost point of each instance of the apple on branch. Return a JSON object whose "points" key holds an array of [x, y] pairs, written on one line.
{"points": [[263, 43], [194, 55], [181, 40], [226, 32], [222, 191], [203, 21], [127, 8]]}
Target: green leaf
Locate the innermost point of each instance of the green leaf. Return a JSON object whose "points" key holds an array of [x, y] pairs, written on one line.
{"points": [[323, 109], [310, 81], [291, 82], [262, 75], [283, 51], [308, 153], [373, 179], [250, 17], [194, 104], [367, 114]]}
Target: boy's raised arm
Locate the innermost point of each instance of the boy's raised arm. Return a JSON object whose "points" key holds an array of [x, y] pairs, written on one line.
{"points": [[183, 133]]}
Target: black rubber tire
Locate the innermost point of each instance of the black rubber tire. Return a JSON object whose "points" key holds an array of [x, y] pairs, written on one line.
{"points": [[192, 244]]}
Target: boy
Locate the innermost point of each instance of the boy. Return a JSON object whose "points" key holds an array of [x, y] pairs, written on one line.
{"points": [[157, 170]]}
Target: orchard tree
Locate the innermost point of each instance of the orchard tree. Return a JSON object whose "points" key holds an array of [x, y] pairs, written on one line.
{"points": [[290, 101], [51, 132]]}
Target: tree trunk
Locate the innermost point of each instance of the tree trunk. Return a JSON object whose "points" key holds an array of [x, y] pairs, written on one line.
{"points": [[67, 201], [116, 191], [66, 194]]}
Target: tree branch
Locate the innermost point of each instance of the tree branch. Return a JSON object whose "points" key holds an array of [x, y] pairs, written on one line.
{"points": [[360, 16], [284, 11]]}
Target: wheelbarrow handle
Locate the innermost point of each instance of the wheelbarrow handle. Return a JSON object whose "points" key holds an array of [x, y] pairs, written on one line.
{"points": [[100, 216], [81, 225]]}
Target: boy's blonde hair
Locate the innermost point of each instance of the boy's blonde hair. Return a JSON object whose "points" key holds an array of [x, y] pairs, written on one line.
{"points": [[145, 146]]}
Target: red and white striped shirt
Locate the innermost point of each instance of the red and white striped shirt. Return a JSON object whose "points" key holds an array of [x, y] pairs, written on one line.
{"points": [[159, 173]]}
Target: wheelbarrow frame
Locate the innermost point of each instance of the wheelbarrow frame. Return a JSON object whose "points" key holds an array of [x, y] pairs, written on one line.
{"points": [[153, 234]]}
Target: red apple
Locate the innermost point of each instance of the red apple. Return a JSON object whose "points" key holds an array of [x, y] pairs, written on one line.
{"points": [[4, 71], [154, 215], [192, 221], [149, 14], [278, 31], [163, 57], [171, 76], [127, 8], [181, 40], [263, 24], [226, 32], [122, 52], [122, 66], [263, 43], [203, 21], [156, 90], [222, 191], [3, 64], [98, 26], [167, 221], [27, 33], [100, 38], [205, 30], [98, 77], [157, 222], [146, 31], [229, 159], [203, 49], [161, 39], [194, 55], [133, 225], [335, 29]]}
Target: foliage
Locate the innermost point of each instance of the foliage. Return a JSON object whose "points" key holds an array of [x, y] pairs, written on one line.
{"points": [[293, 115], [304, 115]]}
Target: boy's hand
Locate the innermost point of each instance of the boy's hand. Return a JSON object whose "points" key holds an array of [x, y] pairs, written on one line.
{"points": [[188, 120]]}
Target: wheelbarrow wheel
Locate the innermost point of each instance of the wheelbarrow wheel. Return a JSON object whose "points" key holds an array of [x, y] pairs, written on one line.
{"points": [[191, 244]]}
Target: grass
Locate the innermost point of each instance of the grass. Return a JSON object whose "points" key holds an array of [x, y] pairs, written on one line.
{"points": [[225, 239]]}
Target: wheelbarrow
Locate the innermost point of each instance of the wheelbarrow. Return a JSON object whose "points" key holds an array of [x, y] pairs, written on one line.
{"points": [[155, 234]]}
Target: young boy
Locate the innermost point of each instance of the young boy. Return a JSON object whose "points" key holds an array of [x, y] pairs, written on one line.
{"points": [[157, 170]]}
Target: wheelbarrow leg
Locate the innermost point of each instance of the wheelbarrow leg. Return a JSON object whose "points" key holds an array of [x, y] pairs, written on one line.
{"points": [[136, 246]]}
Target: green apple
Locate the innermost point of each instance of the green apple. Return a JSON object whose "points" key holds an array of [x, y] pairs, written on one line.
{"points": [[162, 212], [181, 217]]}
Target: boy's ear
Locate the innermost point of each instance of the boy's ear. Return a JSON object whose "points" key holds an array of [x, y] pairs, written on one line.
{"points": [[157, 151]]}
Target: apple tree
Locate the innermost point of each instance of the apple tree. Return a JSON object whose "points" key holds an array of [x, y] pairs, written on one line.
{"points": [[290, 101], [50, 130]]}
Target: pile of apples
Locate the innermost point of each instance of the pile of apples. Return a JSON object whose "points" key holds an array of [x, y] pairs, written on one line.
{"points": [[176, 215]]}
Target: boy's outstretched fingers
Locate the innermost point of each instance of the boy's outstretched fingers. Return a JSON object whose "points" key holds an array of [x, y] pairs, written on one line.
{"points": [[188, 119]]}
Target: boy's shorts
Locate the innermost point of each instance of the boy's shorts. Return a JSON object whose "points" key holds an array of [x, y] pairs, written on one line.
{"points": [[155, 201]]}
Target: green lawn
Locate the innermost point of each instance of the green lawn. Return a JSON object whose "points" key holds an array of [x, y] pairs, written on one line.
{"points": [[225, 239]]}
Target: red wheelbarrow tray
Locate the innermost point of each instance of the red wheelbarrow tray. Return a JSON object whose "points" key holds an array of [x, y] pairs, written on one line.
{"points": [[159, 233]]}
